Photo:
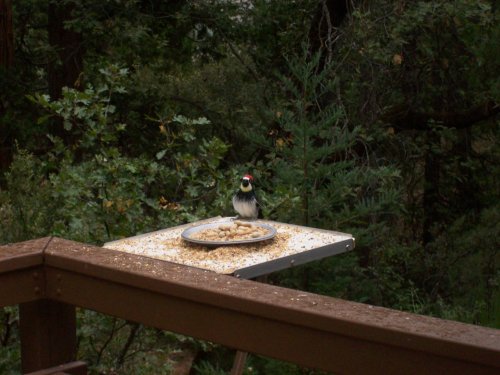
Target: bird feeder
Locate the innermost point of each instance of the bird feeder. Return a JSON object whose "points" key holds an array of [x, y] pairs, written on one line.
{"points": [[289, 246]]}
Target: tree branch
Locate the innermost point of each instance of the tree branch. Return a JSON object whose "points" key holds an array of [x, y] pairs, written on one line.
{"points": [[134, 327], [402, 118]]}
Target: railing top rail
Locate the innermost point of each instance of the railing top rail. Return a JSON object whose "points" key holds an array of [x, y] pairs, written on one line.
{"points": [[306, 326], [22, 254]]}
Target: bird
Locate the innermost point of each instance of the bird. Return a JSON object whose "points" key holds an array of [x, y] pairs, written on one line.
{"points": [[245, 201]]}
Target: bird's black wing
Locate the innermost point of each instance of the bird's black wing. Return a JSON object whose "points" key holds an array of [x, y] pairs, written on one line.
{"points": [[259, 209]]}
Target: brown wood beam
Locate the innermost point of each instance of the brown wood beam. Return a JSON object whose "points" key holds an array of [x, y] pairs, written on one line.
{"points": [[47, 328], [72, 368], [22, 255], [308, 329], [21, 286], [48, 334], [22, 272]]}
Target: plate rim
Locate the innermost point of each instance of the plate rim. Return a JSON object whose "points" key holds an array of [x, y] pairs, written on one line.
{"points": [[200, 227]]}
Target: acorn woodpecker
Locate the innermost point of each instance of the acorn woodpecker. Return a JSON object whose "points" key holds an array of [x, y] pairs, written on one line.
{"points": [[244, 201]]}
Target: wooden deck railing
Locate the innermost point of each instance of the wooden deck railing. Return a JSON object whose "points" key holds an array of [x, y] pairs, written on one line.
{"points": [[48, 277]]}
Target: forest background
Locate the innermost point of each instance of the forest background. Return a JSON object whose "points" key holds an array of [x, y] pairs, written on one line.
{"points": [[378, 118]]}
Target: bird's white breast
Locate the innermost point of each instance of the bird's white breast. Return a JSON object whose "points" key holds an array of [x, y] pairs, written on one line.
{"points": [[246, 209]]}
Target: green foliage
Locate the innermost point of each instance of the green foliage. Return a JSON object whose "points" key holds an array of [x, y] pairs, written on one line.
{"points": [[10, 356], [88, 114], [114, 345], [314, 134], [470, 248], [426, 54], [318, 158], [259, 365], [26, 202], [177, 100], [115, 189], [206, 368]]}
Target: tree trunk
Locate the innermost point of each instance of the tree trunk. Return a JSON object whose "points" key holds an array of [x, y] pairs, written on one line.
{"points": [[65, 69], [6, 61], [467, 188], [431, 190], [6, 34]]}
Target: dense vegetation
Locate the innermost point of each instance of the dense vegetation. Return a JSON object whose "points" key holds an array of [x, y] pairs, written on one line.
{"points": [[377, 118]]}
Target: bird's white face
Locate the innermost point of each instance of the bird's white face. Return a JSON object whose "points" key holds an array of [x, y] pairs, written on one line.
{"points": [[245, 185]]}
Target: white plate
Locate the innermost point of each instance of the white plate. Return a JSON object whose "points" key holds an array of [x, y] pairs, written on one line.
{"points": [[188, 233]]}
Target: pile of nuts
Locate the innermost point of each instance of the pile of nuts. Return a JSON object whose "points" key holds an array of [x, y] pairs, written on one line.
{"points": [[237, 231]]}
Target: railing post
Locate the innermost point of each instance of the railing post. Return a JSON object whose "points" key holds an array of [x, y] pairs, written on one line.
{"points": [[48, 334]]}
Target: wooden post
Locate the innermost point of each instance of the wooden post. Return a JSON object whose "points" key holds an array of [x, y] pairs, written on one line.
{"points": [[241, 357], [239, 363], [48, 334]]}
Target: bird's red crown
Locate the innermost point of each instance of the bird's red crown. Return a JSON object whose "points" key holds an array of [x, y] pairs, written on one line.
{"points": [[249, 176]]}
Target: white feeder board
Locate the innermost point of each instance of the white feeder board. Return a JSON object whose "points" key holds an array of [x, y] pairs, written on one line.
{"points": [[292, 245]]}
